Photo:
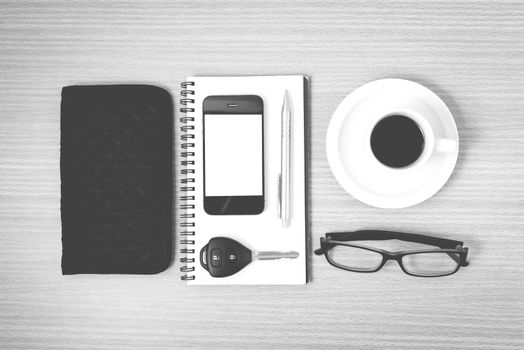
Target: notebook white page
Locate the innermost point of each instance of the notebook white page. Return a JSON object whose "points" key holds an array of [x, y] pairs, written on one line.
{"points": [[261, 232]]}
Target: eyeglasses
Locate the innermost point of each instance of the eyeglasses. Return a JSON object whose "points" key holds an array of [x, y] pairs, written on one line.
{"points": [[341, 253]]}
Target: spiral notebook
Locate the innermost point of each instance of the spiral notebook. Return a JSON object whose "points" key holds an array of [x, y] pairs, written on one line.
{"points": [[262, 232]]}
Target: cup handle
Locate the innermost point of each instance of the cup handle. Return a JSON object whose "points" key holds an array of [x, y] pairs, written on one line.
{"points": [[445, 145]]}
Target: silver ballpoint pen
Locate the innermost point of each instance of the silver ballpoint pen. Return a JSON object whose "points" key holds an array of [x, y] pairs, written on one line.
{"points": [[284, 181]]}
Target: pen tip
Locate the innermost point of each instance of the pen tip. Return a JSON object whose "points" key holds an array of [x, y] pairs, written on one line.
{"points": [[285, 103]]}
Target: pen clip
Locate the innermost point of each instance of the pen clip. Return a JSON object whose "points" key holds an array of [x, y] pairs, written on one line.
{"points": [[279, 196]]}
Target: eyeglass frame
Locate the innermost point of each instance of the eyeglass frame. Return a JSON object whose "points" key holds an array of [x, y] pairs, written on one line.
{"points": [[448, 246]]}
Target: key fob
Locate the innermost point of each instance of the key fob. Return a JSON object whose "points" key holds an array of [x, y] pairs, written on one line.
{"points": [[223, 257]]}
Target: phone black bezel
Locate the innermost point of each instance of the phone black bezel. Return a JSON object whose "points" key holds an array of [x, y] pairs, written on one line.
{"points": [[233, 205]]}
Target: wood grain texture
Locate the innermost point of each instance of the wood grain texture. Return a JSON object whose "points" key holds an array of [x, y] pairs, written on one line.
{"points": [[471, 53]]}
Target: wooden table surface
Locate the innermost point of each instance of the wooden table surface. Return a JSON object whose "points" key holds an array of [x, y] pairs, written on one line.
{"points": [[471, 53]]}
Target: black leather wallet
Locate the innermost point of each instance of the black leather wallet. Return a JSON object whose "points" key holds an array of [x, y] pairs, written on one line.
{"points": [[116, 173]]}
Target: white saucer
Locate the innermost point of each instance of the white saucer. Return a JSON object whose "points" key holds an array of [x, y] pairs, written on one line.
{"points": [[355, 167]]}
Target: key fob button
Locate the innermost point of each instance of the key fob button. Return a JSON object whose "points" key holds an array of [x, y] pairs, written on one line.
{"points": [[216, 257], [231, 257]]}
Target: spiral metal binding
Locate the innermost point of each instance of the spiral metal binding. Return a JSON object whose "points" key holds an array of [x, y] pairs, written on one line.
{"points": [[187, 200]]}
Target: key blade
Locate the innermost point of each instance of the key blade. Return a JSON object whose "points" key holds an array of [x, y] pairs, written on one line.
{"points": [[275, 255]]}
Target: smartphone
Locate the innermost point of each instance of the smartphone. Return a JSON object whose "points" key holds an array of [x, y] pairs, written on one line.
{"points": [[233, 155]]}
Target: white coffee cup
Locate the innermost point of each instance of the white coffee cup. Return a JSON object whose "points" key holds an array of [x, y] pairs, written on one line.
{"points": [[432, 143]]}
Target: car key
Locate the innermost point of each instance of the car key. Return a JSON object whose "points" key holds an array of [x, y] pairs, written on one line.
{"points": [[223, 257]]}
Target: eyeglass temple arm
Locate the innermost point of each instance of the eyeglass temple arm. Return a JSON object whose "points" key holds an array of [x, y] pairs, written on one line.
{"points": [[319, 251], [364, 235]]}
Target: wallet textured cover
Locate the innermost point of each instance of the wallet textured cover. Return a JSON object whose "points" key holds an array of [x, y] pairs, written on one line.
{"points": [[116, 173]]}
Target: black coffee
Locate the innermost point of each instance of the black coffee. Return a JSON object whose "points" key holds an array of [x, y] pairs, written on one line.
{"points": [[397, 141]]}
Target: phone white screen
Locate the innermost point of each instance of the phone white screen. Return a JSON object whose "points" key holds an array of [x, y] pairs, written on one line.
{"points": [[233, 155]]}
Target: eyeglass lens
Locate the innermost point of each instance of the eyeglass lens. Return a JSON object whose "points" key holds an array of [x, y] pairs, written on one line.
{"points": [[355, 258], [431, 263]]}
